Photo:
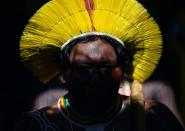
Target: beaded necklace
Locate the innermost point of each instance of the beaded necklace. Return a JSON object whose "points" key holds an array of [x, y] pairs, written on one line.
{"points": [[65, 107], [64, 103]]}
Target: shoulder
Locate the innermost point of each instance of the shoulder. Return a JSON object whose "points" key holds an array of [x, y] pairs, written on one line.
{"points": [[154, 117], [159, 116], [38, 120]]}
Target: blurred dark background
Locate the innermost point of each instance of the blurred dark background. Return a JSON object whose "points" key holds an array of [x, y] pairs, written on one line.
{"points": [[19, 86]]}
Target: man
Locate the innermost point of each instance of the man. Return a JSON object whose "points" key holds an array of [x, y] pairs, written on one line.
{"points": [[91, 45], [92, 103]]}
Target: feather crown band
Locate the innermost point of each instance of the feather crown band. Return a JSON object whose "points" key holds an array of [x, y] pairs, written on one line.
{"points": [[58, 22], [92, 34]]}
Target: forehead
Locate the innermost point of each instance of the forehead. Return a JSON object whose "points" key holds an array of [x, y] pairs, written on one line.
{"points": [[96, 51]]}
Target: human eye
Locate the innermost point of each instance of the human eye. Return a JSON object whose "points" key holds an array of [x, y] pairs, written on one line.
{"points": [[108, 66], [106, 69], [81, 68]]}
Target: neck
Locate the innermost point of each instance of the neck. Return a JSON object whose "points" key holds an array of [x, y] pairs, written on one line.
{"points": [[93, 110]]}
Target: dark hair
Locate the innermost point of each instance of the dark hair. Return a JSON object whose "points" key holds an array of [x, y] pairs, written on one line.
{"points": [[65, 52]]}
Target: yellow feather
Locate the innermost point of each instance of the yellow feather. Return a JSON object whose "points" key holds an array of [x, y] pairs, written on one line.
{"points": [[60, 20]]}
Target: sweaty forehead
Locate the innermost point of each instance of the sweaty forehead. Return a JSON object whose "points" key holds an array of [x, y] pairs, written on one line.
{"points": [[97, 51]]}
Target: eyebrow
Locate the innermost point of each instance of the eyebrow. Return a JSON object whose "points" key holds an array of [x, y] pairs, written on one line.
{"points": [[102, 64]]}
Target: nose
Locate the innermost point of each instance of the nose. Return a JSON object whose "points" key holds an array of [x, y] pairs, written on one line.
{"points": [[94, 72]]}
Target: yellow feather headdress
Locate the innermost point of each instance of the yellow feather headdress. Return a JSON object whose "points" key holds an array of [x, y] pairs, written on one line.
{"points": [[59, 21]]}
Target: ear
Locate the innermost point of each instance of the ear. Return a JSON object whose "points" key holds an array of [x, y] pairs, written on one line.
{"points": [[118, 73], [62, 79]]}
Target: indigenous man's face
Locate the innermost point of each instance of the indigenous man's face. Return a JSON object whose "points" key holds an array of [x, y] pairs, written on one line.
{"points": [[94, 72]]}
